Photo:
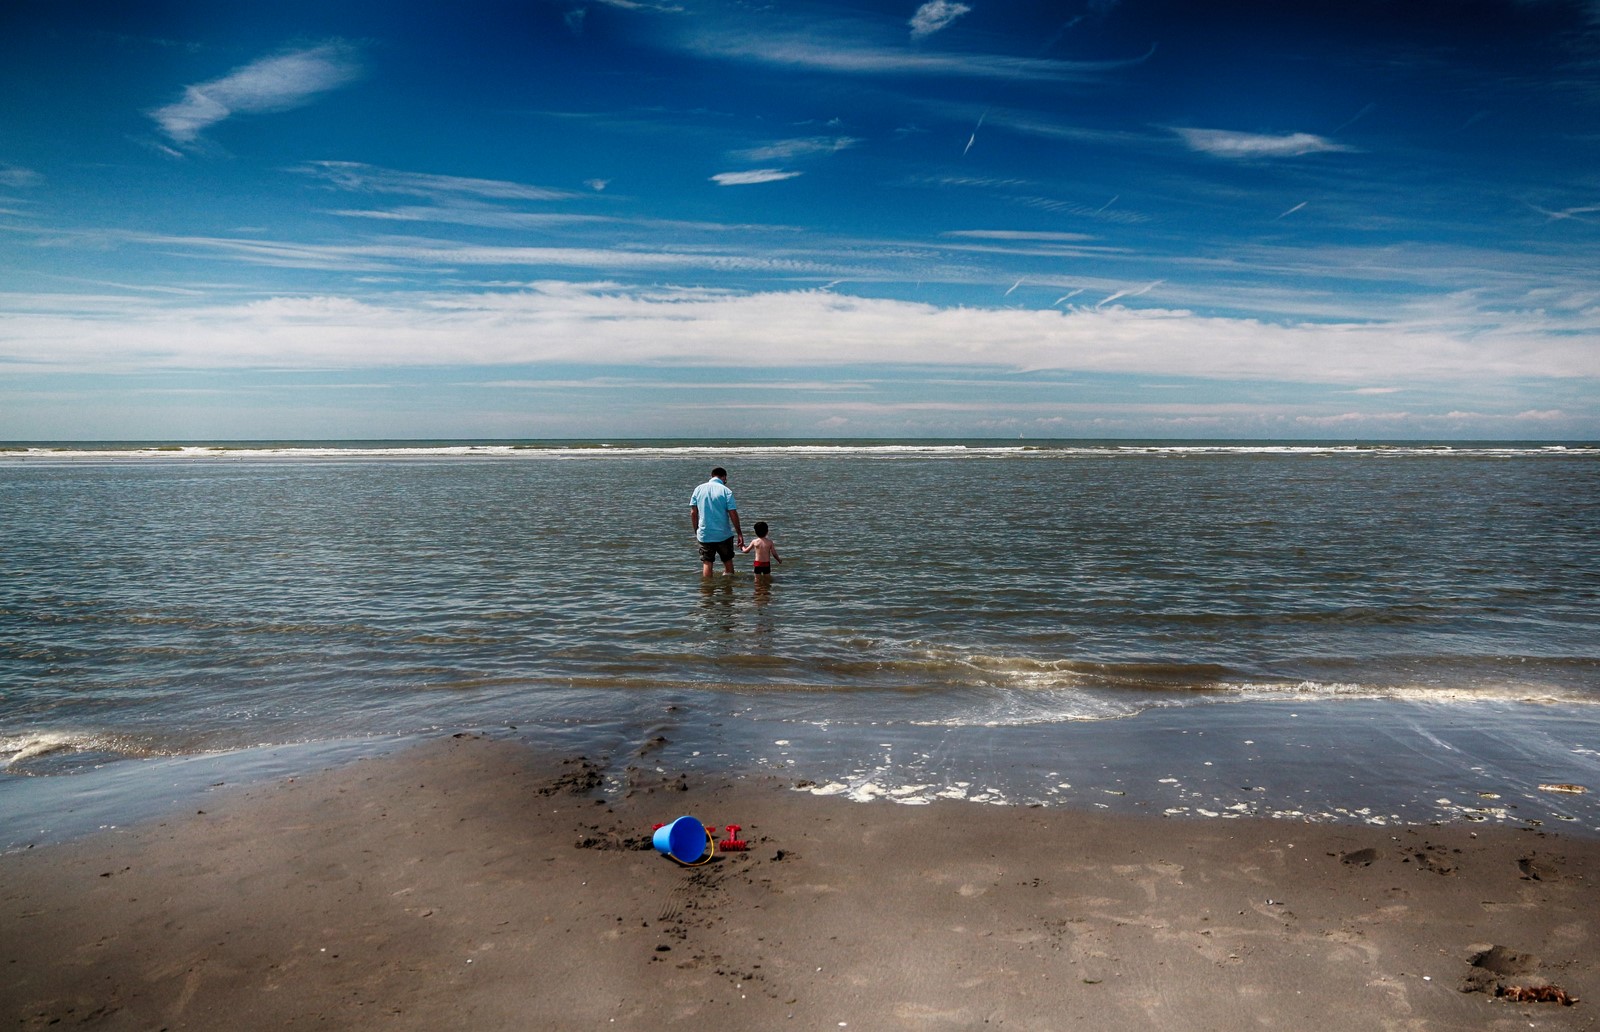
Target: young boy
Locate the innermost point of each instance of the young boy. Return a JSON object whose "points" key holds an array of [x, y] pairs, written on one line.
{"points": [[765, 552]]}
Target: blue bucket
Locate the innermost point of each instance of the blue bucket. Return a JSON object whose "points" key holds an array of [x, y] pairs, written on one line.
{"points": [[685, 840]]}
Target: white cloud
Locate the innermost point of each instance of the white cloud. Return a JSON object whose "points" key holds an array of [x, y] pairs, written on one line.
{"points": [[358, 177], [1032, 123], [393, 253], [850, 57], [468, 215], [1104, 212], [935, 15], [564, 322], [1576, 213], [612, 383], [758, 175], [18, 178], [278, 83], [1223, 143], [786, 150], [1455, 420], [635, 5], [1018, 234], [974, 182]]}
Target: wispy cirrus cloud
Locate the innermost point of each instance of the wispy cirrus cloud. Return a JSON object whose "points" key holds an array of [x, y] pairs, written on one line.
{"points": [[489, 216], [1029, 236], [481, 215], [788, 150], [398, 253], [1106, 212], [361, 178], [1033, 124], [1578, 214], [611, 383], [837, 54], [16, 177], [636, 5], [753, 177], [935, 15], [973, 182], [281, 82], [1224, 143]]}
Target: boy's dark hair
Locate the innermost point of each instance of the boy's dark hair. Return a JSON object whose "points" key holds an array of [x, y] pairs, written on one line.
{"points": [[718, 471], [761, 529]]}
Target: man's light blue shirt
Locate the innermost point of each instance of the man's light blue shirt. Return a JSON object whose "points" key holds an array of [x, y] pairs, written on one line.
{"points": [[714, 500]]}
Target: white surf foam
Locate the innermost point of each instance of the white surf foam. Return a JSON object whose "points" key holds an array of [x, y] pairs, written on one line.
{"points": [[601, 450], [18, 750]]}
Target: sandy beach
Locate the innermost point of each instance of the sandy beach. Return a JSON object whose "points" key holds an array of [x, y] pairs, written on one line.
{"points": [[470, 883]]}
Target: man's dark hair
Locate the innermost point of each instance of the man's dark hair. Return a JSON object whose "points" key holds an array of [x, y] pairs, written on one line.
{"points": [[719, 472]]}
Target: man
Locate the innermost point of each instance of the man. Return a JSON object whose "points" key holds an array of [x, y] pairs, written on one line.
{"points": [[714, 515]]}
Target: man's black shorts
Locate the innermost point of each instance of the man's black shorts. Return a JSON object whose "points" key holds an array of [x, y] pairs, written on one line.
{"points": [[711, 551]]}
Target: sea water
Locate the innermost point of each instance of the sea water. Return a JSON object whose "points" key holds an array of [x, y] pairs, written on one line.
{"points": [[1390, 633]]}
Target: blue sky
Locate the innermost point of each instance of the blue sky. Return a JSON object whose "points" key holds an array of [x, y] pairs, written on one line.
{"points": [[641, 218]]}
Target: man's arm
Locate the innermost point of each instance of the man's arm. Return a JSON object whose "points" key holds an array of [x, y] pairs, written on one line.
{"points": [[733, 514], [694, 518]]}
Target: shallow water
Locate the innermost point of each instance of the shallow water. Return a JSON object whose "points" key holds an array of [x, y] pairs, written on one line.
{"points": [[990, 604]]}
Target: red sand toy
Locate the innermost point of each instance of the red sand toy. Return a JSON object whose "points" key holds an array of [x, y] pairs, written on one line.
{"points": [[733, 843]]}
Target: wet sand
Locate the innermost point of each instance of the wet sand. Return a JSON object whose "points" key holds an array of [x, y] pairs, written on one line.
{"points": [[471, 883]]}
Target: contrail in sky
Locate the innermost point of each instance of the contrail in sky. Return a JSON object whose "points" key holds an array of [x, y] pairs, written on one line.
{"points": [[1014, 286], [1291, 211], [1355, 118], [1053, 40], [974, 137], [1130, 293]]}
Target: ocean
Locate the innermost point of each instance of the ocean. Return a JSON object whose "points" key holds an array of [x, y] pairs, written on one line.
{"points": [[1394, 633]]}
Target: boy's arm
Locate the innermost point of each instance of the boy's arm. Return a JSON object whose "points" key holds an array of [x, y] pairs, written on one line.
{"points": [[746, 548], [775, 554]]}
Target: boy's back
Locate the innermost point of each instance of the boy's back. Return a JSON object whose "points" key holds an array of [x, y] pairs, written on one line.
{"points": [[765, 551]]}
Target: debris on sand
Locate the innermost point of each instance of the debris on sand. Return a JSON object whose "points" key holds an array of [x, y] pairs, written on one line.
{"points": [[1536, 994]]}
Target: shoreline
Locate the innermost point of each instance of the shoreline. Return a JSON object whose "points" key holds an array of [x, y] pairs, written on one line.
{"points": [[20, 452], [1384, 763], [470, 881]]}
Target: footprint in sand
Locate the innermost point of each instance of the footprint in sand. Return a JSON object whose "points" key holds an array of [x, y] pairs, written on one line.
{"points": [[1534, 869], [1492, 966]]}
